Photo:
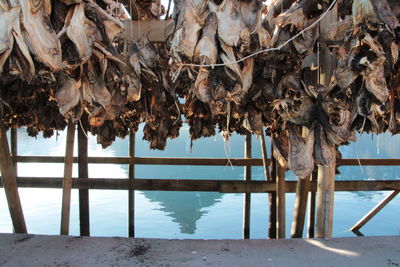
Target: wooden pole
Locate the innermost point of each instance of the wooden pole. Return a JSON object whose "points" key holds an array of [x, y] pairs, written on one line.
{"points": [[14, 147], [10, 184], [300, 204], [300, 207], [267, 175], [280, 202], [67, 181], [247, 196], [311, 207], [131, 193], [325, 196], [374, 211], [272, 201], [84, 217]]}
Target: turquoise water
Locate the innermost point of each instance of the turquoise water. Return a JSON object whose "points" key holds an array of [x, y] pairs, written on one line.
{"points": [[192, 214]]}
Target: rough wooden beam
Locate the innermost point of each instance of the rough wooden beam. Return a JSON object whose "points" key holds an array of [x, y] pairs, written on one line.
{"points": [[300, 207], [10, 184], [67, 180], [280, 203], [83, 171], [131, 192], [247, 196]]}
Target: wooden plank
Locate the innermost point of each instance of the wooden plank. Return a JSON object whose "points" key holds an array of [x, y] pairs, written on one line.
{"points": [[222, 186], [280, 203], [156, 30], [267, 175], [300, 207], [374, 211], [10, 184], [67, 180], [312, 207], [131, 192], [83, 171], [247, 196]]}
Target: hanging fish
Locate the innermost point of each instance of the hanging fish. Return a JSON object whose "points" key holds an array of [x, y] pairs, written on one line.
{"points": [[300, 159]]}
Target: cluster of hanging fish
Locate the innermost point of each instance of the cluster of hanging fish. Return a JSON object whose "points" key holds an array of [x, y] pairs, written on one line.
{"points": [[277, 89], [66, 60]]}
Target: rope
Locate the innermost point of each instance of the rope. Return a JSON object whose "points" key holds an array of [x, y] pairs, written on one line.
{"points": [[264, 50]]}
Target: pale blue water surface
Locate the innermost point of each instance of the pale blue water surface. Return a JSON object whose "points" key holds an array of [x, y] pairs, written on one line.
{"points": [[192, 214]]}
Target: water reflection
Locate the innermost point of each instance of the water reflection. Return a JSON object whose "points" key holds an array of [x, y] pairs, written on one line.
{"points": [[186, 208]]}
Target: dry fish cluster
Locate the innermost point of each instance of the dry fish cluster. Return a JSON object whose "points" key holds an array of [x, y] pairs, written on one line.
{"points": [[68, 60]]}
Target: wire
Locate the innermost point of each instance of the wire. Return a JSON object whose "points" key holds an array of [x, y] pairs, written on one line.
{"points": [[264, 50]]}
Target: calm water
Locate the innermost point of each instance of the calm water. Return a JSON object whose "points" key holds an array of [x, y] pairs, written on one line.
{"points": [[192, 214]]}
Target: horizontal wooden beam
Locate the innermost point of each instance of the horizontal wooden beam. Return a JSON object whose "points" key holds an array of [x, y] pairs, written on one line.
{"points": [[193, 161], [222, 186]]}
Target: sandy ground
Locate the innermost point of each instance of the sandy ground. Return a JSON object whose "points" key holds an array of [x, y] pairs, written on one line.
{"points": [[39, 250]]}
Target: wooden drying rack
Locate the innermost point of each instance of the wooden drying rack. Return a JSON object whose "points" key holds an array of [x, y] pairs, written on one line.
{"points": [[320, 215]]}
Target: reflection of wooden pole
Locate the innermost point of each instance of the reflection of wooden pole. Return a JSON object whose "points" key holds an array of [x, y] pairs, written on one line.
{"points": [[67, 181], [10, 184], [131, 193], [280, 202], [84, 218], [247, 196], [374, 211]]}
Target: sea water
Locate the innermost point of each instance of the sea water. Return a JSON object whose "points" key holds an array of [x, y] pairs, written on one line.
{"points": [[205, 215]]}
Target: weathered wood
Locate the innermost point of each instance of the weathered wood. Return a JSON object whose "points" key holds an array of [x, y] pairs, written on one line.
{"points": [[247, 196], [312, 206], [272, 202], [374, 211], [300, 207], [325, 196], [131, 192], [222, 186], [8, 179], [156, 30], [14, 147], [84, 218], [267, 174], [194, 161], [67, 180], [280, 203]]}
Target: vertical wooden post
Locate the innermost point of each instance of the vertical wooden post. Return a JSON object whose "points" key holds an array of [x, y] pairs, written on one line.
{"points": [[300, 207], [67, 181], [131, 192], [267, 175], [300, 204], [14, 147], [84, 217], [247, 196], [311, 207], [272, 201], [326, 174], [280, 202], [325, 195], [10, 184]]}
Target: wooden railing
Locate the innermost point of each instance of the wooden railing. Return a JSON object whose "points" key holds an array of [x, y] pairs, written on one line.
{"points": [[247, 186]]}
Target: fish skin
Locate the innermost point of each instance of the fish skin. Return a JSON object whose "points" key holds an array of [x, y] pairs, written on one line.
{"points": [[81, 31], [280, 150], [300, 159], [324, 153], [39, 35], [206, 51], [7, 20], [68, 95]]}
